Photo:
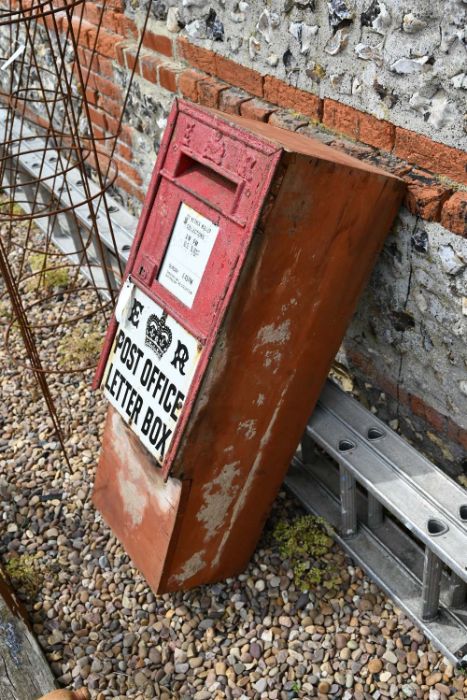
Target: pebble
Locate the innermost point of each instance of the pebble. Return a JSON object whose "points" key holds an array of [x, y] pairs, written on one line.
{"points": [[260, 685], [375, 666], [341, 640], [255, 650], [434, 678], [220, 668], [390, 657], [140, 679], [442, 688]]}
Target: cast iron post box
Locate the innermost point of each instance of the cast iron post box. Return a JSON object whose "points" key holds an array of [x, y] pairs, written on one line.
{"points": [[250, 255]]}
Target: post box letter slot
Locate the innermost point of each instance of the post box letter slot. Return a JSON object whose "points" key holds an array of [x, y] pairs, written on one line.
{"points": [[207, 183]]}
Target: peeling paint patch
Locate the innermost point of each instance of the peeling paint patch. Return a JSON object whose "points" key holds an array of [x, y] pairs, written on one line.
{"points": [[133, 483], [273, 335], [285, 307], [248, 427], [260, 399], [248, 484], [134, 501], [191, 567], [272, 358], [218, 496]]}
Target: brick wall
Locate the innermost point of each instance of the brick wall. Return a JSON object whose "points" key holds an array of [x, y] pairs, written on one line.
{"points": [[405, 349]]}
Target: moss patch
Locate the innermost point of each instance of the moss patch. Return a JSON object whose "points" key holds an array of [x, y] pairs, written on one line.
{"points": [[25, 573], [7, 207], [5, 311], [79, 348], [46, 277], [306, 543]]}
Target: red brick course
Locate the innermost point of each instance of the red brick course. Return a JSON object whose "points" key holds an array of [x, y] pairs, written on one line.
{"points": [[214, 64], [196, 56], [130, 188], [97, 118], [454, 213], [92, 96], [434, 419], [131, 173], [257, 110], [126, 134], [437, 157], [358, 125], [231, 100], [457, 434], [188, 83], [279, 93], [110, 20], [102, 85], [149, 67], [417, 149], [120, 53], [235, 74], [209, 91], [426, 200], [103, 41], [285, 119], [103, 119], [130, 59], [376, 132], [124, 151], [110, 107], [159, 43], [101, 65], [117, 5], [168, 77]]}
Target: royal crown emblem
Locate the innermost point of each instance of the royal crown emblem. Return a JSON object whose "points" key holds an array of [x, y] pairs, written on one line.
{"points": [[158, 334]]}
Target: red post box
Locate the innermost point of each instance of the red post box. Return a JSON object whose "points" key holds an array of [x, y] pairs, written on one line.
{"points": [[250, 255]]}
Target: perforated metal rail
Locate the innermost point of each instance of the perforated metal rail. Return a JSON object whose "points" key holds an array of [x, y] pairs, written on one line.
{"points": [[44, 176], [399, 516]]}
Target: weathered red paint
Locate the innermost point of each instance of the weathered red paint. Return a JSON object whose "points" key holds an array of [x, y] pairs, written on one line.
{"points": [[300, 229], [176, 179], [136, 499]]}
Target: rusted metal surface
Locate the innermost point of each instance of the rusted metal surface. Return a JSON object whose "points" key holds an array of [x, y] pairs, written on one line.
{"points": [[300, 227], [135, 497]]}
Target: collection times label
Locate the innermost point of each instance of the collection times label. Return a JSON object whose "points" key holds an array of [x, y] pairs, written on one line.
{"points": [[187, 255]]}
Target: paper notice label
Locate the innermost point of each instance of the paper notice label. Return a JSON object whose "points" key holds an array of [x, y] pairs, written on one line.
{"points": [[187, 255]]}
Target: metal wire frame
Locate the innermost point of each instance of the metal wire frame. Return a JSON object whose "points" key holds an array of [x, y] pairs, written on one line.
{"points": [[52, 100]]}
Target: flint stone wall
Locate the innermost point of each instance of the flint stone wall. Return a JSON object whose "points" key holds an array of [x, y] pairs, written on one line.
{"points": [[405, 62]]}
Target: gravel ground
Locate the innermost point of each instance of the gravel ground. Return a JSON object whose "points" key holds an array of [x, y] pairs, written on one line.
{"points": [[254, 636]]}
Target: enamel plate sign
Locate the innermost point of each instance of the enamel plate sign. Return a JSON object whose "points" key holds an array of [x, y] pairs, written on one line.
{"points": [[150, 369], [187, 255]]}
